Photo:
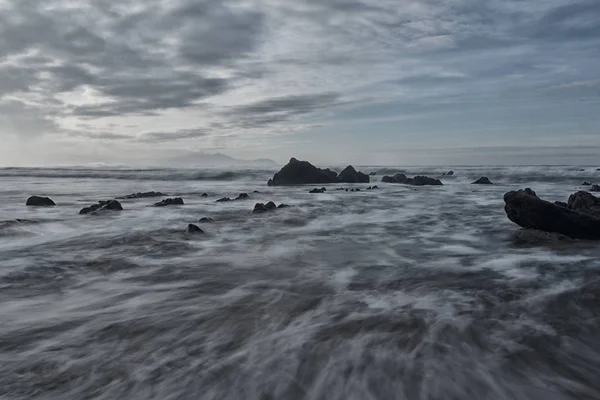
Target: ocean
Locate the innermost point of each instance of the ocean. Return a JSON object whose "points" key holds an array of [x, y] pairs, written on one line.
{"points": [[417, 293]]}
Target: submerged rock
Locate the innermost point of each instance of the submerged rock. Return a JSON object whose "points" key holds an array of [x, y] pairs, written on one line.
{"points": [[242, 196], [204, 194], [206, 220], [175, 201], [578, 220], [317, 190], [302, 172], [449, 173], [142, 195], [418, 180], [595, 188], [372, 173], [350, 175], [586, 184], [102, 205], [191, 228], [282, 205], [223, 199], [484, 180], [39, 201], [373, 187]]}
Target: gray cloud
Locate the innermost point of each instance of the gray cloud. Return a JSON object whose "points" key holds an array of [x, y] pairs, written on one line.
{"points": [[228, 69]]}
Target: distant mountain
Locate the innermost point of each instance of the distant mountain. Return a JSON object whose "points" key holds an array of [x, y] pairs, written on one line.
{"points": [[194, 159]]}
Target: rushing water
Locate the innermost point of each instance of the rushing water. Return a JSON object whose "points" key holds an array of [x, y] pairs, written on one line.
{"points": [[397, 293]]}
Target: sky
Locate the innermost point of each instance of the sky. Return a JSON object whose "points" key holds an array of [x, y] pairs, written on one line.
{"points": [[371, 82]]}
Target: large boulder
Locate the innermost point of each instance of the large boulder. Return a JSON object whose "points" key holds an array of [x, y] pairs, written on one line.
{"points": [[350, 175], [578, 221], [484, 180], [584, 202], [301, 172], [102, 205], [175, 201], [39, 201]]}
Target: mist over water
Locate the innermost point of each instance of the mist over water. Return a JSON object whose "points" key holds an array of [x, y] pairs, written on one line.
{"points": [[398, 293]]}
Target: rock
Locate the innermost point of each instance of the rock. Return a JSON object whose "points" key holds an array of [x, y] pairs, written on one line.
{"points": [[223, 199], [584, 202], [38, 201], [204, 194], [483, 181], [561, 204], [261, 208], [373, 187], [424, 180], [301, 172], [595, 188], [142, 195], [242, 196], [175, 201], [206, 220], [531, 212], [350, 175], [449, 173], [102, 205], [317, 190], [340, 189], [398, 178], [586, 184], [191, 228], [372, 173], [256, 191], [581, 170], [282, 205]]}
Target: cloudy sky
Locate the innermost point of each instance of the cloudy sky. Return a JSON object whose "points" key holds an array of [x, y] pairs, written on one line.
{"points": [[362, 81]]}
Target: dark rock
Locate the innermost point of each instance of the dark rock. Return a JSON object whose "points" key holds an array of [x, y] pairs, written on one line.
{"points": [[350, 175], [561, 204], [346, 190], [206, 220], [242, 196], [530, 192], [372, 173], [585, 202], [175, 201], [256, 191], [102, 205], [317, 190], [586, 184], [223, 199], [581, 170], [141, 195], [204, 194], [449, 173], [340, 189], [531, 212], [373, 187], [424, 181], [191, 228], [282, 205], [261, 208], [483, 181], [595, 188], [398, 178], [301, 172], [39, 201]]}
